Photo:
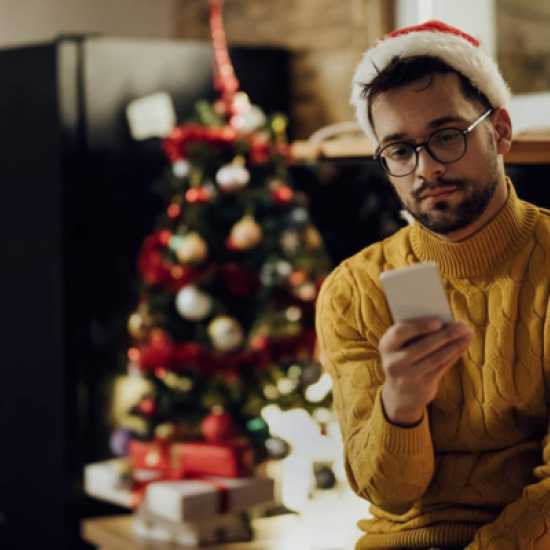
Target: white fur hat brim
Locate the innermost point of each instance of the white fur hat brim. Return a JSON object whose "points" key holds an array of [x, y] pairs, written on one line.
{"points": [[459, 53]]}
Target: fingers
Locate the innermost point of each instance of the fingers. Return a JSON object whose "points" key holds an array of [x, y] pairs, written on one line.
{"points": [[429, 345], [400, 334], [433, 350], [444, 357]]}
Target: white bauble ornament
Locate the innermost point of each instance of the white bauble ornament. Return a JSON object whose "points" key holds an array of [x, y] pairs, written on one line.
{"points": [[181, 168], [249, 120], [246, 233], [234, 176], [192, 248], [193, 304], [226, 333]]}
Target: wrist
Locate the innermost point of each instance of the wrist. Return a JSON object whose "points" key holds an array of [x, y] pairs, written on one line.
{"points": [[398, 413]]}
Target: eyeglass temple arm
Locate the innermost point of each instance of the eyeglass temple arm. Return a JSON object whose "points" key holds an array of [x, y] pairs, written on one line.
{"points": [[479, 120]]}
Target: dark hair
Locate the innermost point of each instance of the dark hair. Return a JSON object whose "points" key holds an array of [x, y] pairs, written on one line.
{"points": [[401, 72]]}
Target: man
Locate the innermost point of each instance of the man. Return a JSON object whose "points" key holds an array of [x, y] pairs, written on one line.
{"points": [[445, 426]]}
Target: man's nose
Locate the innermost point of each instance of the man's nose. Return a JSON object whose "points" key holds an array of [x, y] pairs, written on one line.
{"points": [[428, 167]]}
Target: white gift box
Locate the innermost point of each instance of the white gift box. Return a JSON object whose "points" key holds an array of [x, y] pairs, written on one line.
{"points": [[197, 500], [179, 501], [106, 481], [217, 529]]}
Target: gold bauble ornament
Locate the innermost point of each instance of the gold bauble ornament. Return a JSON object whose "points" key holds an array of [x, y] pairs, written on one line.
{"points": [[312, 238], [165, 431], [192, 248], [246, 233], [139, 323], [225, 333]]}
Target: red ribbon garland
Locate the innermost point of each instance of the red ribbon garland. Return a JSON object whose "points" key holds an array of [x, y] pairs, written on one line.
{"points": [[192, 356], [225, 80]]}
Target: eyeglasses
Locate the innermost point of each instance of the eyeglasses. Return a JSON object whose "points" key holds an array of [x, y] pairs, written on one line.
{"points": [[446, 145]]}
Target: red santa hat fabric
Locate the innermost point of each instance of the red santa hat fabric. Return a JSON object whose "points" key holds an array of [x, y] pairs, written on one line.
{"points": [[435, 39]]}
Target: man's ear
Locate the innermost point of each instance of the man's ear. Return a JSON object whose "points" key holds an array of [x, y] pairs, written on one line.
{"points": [[503, 130]]}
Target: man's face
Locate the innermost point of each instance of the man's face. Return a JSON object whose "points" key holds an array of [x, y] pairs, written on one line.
{"points": [[442, 197]]}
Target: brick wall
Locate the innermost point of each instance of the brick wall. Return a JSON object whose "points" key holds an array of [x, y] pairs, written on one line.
{"points": [[327, 38]]}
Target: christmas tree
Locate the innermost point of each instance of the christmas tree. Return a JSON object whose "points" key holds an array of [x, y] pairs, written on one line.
{"points": [[228, 279]]}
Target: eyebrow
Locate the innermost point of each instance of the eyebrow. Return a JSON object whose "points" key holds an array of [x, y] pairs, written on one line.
{"points": [[433, 124]]}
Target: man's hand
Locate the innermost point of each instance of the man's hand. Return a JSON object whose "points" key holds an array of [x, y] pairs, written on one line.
{"points": [[415, 356]]}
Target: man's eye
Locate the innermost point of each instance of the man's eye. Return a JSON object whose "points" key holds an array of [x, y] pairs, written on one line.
{"points": [[398, 152], [447, 138]]}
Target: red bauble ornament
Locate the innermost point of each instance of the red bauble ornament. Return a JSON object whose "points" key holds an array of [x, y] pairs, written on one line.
{"points": [[218, 426], [283, 194], [197, 194], [260, 148], [147, 406]]}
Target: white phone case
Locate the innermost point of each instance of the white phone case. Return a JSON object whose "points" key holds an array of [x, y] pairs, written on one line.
{"points": [[416, 291]]}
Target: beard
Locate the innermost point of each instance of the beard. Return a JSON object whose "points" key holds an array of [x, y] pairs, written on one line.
{"points": [[444, 217]]}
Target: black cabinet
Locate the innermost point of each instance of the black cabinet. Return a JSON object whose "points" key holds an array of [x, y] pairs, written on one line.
{"points": [[76, 204]]}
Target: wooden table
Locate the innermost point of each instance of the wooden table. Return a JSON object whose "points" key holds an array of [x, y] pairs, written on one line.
{"points": [[278, 533], [328, 522]]}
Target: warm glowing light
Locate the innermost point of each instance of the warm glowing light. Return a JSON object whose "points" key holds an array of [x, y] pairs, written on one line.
{"points": [[297, 277], [294, 372], [293, 314], [177, 271], [296, 481], [160, 372], [284, 193], [286, 385], [174, 210], [270, 392], [164, 237], [318, 391]]}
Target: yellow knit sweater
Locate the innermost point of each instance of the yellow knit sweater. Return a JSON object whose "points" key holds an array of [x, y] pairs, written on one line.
{"points": [[476, 470]]}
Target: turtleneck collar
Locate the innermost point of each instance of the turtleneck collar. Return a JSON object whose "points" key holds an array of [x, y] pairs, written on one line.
{"points": [[485, 249]]}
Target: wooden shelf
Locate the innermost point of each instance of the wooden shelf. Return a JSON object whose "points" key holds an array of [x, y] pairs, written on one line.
{"points": [[528, 148]]}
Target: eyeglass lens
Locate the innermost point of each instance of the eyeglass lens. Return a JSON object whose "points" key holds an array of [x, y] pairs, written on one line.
{"points": [[446, 145]]}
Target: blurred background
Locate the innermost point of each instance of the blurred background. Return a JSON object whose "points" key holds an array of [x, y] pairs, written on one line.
{"points": [[97, 254]]}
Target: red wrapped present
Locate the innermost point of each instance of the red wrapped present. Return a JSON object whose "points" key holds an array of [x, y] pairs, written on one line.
{"points": [[157, 460], [153, 461], [233, 458]]}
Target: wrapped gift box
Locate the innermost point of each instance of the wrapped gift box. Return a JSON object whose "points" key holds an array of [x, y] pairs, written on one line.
{"points": [[179, 460], [217, 529], [108, 480], [231, 459], [182, 500], [198, 500]]}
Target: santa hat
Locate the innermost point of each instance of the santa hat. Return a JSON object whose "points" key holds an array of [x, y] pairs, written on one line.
{"points": [[457, 49]]}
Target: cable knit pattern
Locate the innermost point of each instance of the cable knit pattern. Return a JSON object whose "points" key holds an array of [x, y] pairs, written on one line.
{"points": [[476, 471]]}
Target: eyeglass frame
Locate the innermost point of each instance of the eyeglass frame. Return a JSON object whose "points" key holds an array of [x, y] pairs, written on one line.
{"points": [[416, 147]]}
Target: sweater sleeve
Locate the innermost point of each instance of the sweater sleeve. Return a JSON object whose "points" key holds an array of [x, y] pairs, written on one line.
{"points": [[525, 523], [388, 465]]}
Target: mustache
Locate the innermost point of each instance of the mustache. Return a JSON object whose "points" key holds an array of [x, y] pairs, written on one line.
{"points": [[440, 183]]}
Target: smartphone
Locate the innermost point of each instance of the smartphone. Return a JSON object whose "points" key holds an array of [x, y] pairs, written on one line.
{"points": [[416, 291]]}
